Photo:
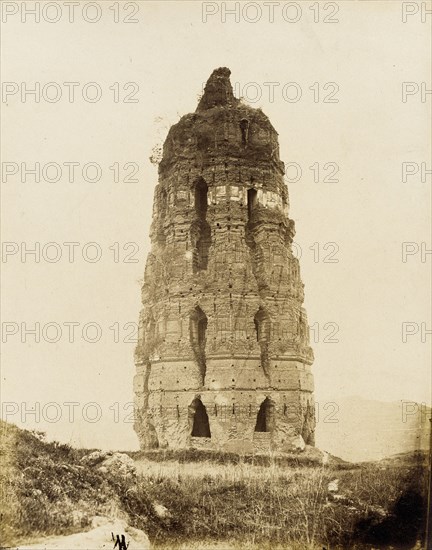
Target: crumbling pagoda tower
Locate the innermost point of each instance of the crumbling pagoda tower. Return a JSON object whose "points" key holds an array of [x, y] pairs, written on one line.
{"points": [[223, 358]]}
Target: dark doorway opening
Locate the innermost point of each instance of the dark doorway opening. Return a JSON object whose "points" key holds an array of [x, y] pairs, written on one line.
{"points": [[200, 426], [264, 416]]}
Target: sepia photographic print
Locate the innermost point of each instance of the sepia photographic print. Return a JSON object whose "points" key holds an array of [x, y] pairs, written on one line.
{"points": [[215, 269]]}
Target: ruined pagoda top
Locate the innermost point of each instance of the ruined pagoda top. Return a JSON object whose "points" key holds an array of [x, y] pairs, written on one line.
{"points": [[221, 128], [218, 91]]}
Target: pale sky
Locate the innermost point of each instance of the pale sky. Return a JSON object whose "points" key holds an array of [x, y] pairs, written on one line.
{"points": [[367, 295]]}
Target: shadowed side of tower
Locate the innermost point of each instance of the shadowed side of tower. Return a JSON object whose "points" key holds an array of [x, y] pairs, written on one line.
{"points": [[223, 357]]}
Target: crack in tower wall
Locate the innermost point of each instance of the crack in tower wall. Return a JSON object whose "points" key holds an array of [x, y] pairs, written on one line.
{"points": [[198, 327], [220, 273]]}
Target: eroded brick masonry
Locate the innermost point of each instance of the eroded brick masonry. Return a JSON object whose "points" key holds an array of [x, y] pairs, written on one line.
{"points": [[223, 359]]}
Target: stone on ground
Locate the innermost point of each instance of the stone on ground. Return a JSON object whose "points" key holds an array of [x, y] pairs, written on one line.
{"points": [[98, 538], [111, 463]]}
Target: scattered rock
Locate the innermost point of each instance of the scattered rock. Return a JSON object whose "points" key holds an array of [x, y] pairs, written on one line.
{"points": [[79, 518], [111, 463], [379, 510], [298, 443], [333, 486], [341, 499], [161, 511]]}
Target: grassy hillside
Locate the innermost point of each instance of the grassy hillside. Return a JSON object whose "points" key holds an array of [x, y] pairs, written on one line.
{"points": [[254, 502], [44, 488]]}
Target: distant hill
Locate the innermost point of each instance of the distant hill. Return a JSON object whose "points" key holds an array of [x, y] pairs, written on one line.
{"points": [[357, 429]]}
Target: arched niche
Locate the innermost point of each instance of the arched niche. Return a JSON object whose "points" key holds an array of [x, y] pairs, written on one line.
{"points": [[201, 192], [262, 326], [201, 228], [252, 201]]}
